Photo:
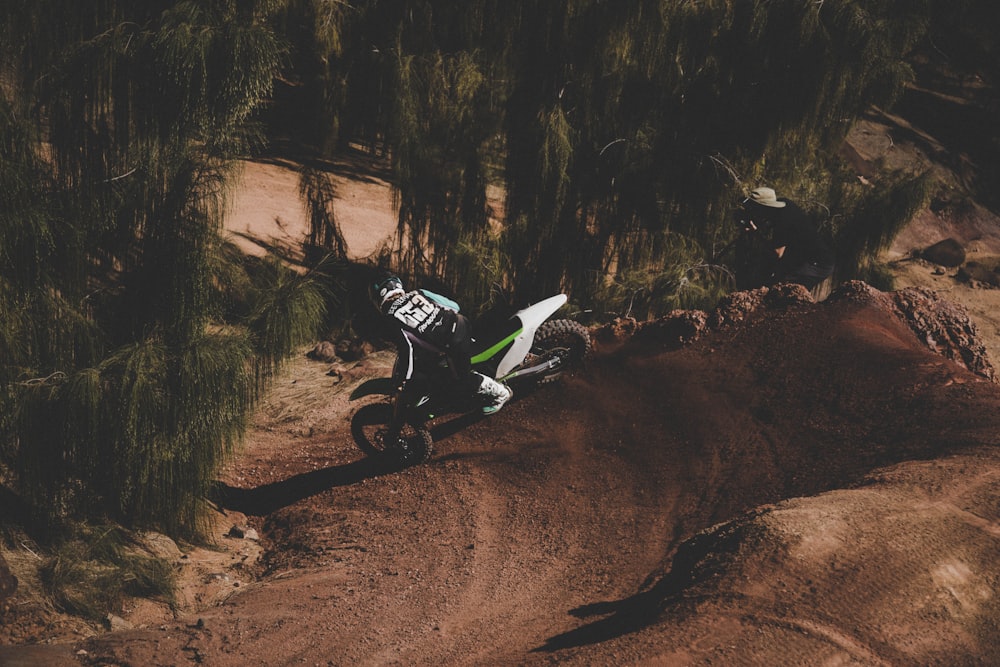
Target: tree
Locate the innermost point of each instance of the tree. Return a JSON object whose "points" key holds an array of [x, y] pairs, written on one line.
{"points": [[134, 345], [619, 132]]}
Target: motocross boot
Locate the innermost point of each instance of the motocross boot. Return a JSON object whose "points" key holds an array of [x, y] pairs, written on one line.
{"points": [[493, 393]]}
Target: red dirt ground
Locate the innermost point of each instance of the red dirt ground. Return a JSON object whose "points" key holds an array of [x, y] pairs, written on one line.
{"points": [[807, 484]]}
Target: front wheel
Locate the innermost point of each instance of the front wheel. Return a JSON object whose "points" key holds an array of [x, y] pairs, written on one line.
{"points": [[568, 339], [370, 427]]}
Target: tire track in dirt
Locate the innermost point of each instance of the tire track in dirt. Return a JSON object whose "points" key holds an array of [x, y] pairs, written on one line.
{"points": [[537, 555]]}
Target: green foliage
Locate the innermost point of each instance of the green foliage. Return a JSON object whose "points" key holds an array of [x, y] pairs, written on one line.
{"points": [[871, 221], [284, 313], [135, 343], [318, 191], [684, 281], [614, 123], [214, 63], [439, 154], [146, 431], [555, 157], [93, 572], [486, 266], [312, 93]]}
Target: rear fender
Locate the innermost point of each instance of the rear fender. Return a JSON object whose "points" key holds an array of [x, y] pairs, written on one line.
{"points": [[535, 314], [531, 318]]}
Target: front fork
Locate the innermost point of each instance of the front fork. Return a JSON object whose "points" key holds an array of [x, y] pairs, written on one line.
{"points": [[403, 412], [397, 418]]}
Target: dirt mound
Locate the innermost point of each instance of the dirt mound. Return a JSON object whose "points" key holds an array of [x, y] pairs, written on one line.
{"points": [[792, 482], [900, 571], [944, 326]]}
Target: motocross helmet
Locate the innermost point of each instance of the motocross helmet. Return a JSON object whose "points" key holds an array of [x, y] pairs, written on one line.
{"points": [[385, 287]]}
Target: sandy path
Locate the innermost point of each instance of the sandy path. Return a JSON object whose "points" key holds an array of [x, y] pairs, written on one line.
{"points": [[266, 205]]}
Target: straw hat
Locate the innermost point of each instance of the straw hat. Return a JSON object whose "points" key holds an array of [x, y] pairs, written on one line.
{"points": [[766, 197]]}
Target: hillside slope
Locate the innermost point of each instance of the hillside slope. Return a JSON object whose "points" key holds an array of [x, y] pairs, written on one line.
{"points": [[803, 483]]}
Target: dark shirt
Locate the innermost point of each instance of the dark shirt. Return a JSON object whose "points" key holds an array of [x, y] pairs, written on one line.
{"points": [[792, 229], [436, 323]]}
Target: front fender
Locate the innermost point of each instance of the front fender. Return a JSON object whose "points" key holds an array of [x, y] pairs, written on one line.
{"points": [[374, 387]]}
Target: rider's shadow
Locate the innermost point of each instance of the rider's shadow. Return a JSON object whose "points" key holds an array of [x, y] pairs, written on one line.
{"points": [[262, 500], [446, 429], [611, 620]]}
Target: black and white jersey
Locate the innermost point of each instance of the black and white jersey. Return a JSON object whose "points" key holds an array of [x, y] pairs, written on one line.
{"points": [[426, 318]]}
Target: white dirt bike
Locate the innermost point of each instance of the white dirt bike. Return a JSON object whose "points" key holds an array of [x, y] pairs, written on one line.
{"points": [[523, 350]]}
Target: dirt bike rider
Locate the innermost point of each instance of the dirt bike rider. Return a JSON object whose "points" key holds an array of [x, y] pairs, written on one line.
{"points": [[436, 320]]}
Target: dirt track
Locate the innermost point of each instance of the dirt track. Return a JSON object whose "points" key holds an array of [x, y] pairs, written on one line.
{"points": [[566, 528], [809, 486]]}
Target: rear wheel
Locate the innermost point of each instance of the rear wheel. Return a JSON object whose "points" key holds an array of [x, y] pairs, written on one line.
{"points": [[371, 432], [566, 338]]}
